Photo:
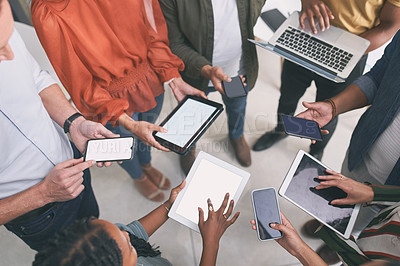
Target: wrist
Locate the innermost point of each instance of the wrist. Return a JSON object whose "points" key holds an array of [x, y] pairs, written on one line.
{"points": [[44, 197], [70, 120], [206, 71], [75, 124], [333, 107], [127, 122]]}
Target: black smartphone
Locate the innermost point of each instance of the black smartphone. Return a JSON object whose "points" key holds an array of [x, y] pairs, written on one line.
{"points": [[235, 88], [273, 18], [300, 127], [109, 150], [266, 211]]}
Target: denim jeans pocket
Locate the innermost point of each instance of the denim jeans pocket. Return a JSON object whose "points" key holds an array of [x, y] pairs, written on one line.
{"points": [[35, 227]]}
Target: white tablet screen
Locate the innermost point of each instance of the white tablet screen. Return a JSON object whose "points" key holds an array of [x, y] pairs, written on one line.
{"points": [[301, 190], [209, 181], [187, 120]]}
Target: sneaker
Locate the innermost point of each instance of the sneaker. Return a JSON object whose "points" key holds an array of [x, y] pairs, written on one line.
{"points": [[328, 255]]}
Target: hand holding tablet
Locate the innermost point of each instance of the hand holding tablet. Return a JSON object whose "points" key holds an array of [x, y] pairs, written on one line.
{"points": [[187, 123]]}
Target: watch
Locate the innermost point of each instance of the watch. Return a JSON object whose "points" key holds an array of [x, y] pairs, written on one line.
{"points": [[69, 121]]}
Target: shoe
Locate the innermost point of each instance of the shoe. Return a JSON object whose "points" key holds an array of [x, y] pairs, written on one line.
{"points": [[242, 151], [317, 155], [328, 255], [186, 161], [155, 176], [309, 228], [268, 139], [148, 189]]}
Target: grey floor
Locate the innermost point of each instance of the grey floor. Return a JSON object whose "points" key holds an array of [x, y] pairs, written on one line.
{"points": [[119, 200]]}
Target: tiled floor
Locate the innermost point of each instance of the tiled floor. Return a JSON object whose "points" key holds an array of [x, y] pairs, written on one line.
{"points": [[120, 202]]}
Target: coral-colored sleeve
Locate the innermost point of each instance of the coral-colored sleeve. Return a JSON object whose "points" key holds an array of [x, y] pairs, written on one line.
{"points": [[163, 61], [94, 101]]}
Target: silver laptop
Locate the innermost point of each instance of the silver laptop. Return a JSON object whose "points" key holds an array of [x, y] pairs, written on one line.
{"points": [[332, 53]]}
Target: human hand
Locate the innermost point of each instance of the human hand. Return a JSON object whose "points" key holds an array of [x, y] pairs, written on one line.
{"points": [[291, 241], [181, 89], [217, 222], [318, 9], [216, 74], [356, 192], [82, 130], [64, 182], [174, 193], [143, 131]]}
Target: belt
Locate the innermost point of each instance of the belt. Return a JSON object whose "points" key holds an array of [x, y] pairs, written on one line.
{"points": [[32, 214]]}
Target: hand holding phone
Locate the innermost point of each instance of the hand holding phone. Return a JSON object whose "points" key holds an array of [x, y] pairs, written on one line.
{"points": [[110, 149], [266, 211], [235, 88], [300, 127]]}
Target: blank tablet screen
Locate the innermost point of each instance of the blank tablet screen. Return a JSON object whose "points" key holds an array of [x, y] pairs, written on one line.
{"points": [[301, 190], [187, 120], [207, 182]]}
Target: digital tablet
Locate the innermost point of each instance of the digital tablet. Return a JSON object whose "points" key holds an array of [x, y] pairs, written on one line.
{"points": [[298, 188], [187, 123], [211, 178]]}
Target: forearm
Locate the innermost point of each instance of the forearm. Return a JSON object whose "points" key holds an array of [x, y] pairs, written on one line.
{"points": [[152, 221], [379, 35], [209, 254], [56, 104], [21, 203], [309, 257], [351, 98]]}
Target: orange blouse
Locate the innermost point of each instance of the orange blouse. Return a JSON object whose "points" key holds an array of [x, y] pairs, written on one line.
{"points": [[107, 53]]}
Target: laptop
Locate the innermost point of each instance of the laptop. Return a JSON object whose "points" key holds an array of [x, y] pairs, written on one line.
{"points": [[332, 53]]}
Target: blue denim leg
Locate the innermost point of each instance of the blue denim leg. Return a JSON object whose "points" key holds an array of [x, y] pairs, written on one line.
{"points": [[36, 231], [235, 110], [142, 153]]}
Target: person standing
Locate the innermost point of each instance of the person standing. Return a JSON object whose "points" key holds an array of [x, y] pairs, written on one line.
{"points": [[44, 182], [211, 39], [376, 21], [113, 58]]}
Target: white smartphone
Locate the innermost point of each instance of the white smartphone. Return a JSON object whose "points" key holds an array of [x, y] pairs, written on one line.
{"points": [[108, 150], [266, 211]]}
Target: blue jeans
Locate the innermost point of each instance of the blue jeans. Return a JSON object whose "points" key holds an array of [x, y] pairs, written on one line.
{"points": [[235, 110], [37, 230], [142, 153]]}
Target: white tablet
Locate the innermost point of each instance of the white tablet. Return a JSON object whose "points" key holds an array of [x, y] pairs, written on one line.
{"points": [[211, 178], [298, 188]]}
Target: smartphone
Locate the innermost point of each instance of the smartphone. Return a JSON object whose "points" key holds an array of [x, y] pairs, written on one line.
{"points": [[273, 18], [266, 211], [235, 88], [111, 149], [300, 127]]}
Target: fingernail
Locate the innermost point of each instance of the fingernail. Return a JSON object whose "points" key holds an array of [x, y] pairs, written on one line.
{"points": [[208, 200], [227, 195], [93, 162], [272, 225]]}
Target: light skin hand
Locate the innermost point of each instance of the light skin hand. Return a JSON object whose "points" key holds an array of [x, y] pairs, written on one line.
{"points": [[181, 89], [356, 192], [143, 130], [64, 182], [82, 130], [318, 9], [216, 74]]}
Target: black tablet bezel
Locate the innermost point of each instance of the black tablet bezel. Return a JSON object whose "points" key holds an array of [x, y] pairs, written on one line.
{"points": [[182, 150]]}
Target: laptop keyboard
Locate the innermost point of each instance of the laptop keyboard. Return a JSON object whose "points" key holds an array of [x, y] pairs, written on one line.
{"points": [[311, 47]]}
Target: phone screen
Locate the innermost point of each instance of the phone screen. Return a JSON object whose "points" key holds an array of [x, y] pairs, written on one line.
{"points": [[235, 88], [301, 127], [106, 150], [266, 211]]}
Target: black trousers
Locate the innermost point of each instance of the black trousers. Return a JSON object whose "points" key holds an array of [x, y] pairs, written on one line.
{"points": [[295, 80]]}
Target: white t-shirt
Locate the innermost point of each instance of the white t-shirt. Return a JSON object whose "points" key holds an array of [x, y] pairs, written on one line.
{"points": [[31, 143], [385, 152], [227, 51]]}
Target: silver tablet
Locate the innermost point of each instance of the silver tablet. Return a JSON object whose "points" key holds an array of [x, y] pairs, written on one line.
{"points": [[212, 178], [298, 188]]}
